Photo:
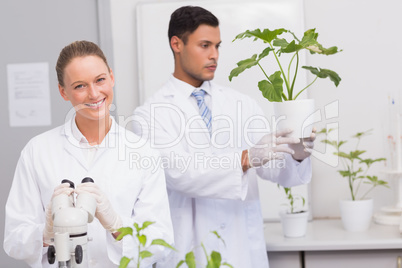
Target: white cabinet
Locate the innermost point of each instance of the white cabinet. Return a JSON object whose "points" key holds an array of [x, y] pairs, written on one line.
{"points": [[285, 259], [353, 259], [328, 245]]}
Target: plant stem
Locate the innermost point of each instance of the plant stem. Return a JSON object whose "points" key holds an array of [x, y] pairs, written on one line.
{"points": [[290, 64], [369, 190], [138, 260], [264, 72], [280, 67], [351, 187], [205, 251], [295, 75], [306, 87]]}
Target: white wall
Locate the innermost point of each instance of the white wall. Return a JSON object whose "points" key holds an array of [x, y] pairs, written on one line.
{"points": [[367, 31]]}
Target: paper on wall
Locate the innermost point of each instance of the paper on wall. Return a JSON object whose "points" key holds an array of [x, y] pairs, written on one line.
{"points": [[29, 94]]}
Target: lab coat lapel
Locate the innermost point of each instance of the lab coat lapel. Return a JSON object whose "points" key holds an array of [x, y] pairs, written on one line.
{"points": [[71, 145], [191, 114], [217, 109]]}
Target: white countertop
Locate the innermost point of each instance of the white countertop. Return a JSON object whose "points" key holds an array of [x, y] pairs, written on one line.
{"points": [[330, 235]]}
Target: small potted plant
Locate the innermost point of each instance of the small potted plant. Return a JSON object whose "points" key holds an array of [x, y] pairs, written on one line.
{"points": [[294, 219], [214, 259], [272, 87], [356, 212], [143, 247]]}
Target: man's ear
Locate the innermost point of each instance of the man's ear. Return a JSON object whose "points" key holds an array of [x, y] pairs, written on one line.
{"points": [[176, 44], [63, 93]]}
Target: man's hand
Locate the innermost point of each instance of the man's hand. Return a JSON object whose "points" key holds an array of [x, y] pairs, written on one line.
{"points": [[271, 146], [304, 148]]}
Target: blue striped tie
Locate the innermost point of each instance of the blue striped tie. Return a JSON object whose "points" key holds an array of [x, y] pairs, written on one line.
{"points": [[205, 112]]}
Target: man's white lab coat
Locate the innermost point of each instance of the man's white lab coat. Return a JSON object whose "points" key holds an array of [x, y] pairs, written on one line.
{"points": [[207, 188], [137, 194]]}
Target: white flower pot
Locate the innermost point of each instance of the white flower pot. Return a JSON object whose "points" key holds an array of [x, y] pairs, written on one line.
{"points": [[356, 215], [297, 115], [294, 225]]}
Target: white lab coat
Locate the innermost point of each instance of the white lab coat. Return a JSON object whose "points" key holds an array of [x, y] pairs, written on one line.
{"points": [[207, 188], [137, 194]]}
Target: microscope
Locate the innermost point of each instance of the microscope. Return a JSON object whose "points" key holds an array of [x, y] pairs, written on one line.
{"points": [[70, 225]]}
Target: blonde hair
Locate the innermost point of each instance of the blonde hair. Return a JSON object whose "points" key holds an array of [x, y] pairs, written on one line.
{"points": [[74, 50]]}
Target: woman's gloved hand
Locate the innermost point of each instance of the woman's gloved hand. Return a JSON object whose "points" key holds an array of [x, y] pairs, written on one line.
{"points": [[271, 146], [104, 211], [304, 148], [48, 233]]}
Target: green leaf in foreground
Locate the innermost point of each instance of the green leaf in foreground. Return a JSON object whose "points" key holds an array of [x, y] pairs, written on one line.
{"points": [[272, 89], [324, 73]]}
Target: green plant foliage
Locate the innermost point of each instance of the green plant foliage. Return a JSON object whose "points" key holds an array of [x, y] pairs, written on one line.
{"points": [[294, 200], [272, 87], [143, 251], [355, 167], [214, 259]]}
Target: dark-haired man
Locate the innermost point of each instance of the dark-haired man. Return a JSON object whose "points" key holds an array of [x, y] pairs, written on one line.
{"points": [[212, 142]]}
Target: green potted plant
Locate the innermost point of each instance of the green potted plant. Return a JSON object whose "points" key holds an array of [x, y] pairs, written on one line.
{"points": [[143, 248], [272, 87], [294, 219], [356, 212], [214, 259]]}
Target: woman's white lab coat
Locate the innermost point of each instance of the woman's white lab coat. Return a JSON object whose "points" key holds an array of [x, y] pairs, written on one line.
{"points": [[207, 188], [137, 194]]}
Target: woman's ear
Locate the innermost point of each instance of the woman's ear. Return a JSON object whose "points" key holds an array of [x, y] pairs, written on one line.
{"points": [[111, 76], [63, 93]]}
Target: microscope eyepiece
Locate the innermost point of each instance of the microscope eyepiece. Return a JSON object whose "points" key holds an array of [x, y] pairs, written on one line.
{"points": [[70, 182], [87, 179]]}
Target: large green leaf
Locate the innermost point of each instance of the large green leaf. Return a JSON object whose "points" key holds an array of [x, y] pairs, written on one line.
{"points": [[216, 259], [145, 254], [124, 261], [162, 242], [123, 232], [243, 65], [146, 224], [265, 53], [324, 73], [287, 47], [309, 41], [376, 182], [248, 63], [180, 264], [356, 154], [266, 35], [142, 239], [190, 260], [370, 161], [272, 89]]}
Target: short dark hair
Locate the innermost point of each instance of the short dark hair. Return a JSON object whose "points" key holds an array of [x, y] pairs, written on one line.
{"points": [[185, 20]]}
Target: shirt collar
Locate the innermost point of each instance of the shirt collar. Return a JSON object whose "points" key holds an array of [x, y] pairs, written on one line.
{"points": [[78, 136], [187, 89], [77, 133]]}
